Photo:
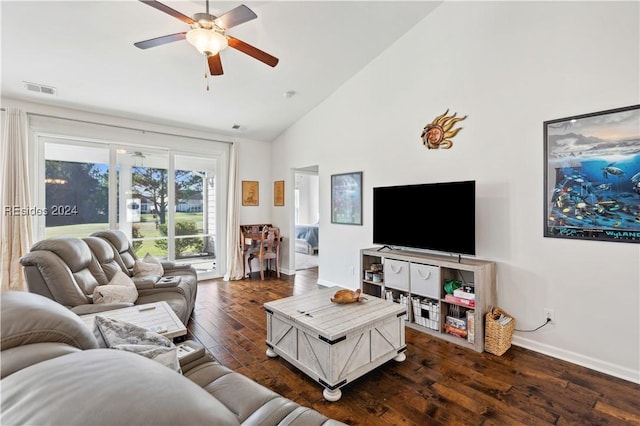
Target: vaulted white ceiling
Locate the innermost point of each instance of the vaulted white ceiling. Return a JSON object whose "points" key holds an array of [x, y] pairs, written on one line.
{"points": [[84, 49]]}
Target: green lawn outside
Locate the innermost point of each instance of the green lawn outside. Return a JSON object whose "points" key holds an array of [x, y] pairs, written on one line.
{"points": [[80, 231], [149, 246], [146, 226]]}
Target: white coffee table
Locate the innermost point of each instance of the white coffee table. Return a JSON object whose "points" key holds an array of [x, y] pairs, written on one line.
{"points": [[333, 343], [158, 317]]}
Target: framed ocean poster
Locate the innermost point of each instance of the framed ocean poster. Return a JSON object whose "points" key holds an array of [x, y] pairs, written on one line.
{"points": [[346, 198], [592, 176]]}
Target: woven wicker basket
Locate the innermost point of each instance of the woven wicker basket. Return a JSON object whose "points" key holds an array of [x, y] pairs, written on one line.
{"points": [[497, 337]]}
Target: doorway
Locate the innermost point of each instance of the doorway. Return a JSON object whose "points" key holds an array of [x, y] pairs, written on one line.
{"points": [[307, 218]]}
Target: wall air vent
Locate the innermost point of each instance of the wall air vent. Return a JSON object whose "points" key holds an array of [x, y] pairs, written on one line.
{"points": [[39, 88]]}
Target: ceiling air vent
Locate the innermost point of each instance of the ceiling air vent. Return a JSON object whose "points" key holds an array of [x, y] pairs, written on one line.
{"points": [[39, 88]]}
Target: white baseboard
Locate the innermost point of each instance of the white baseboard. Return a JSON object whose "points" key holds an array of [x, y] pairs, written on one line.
{"points": [[328, 283], [576, 358], [572, 357]]}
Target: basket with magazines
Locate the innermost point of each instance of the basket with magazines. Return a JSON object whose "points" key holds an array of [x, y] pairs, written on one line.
{"points": [[499, 326]]}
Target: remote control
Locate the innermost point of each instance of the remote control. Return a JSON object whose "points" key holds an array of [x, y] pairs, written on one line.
{"points": [[146, 308]]}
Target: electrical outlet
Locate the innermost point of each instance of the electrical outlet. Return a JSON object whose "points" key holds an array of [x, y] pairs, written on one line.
{"points": [[549, 315]]}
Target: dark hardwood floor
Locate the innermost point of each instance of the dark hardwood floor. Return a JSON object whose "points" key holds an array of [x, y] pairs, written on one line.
{"points": [[438, 383]]}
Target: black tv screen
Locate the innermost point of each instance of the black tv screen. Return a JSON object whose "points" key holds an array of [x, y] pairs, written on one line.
{"points": [[432, 216]]}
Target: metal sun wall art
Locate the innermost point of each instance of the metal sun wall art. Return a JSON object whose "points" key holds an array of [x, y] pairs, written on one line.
{"points": [[592, 176], [438, 133]]}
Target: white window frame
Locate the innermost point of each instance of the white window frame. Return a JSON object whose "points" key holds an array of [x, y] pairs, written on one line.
{"points": [[44, 129]]}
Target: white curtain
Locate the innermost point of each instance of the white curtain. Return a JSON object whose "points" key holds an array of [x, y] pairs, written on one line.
{"points": [[15, 231], [235, 258]]}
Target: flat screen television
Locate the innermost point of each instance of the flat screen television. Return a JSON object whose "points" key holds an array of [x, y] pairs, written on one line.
{"points": [[431, 216]]}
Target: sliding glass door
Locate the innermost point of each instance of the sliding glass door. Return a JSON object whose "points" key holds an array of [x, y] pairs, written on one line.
{"points": [[143, 199], [194, 227], [164, 201]]}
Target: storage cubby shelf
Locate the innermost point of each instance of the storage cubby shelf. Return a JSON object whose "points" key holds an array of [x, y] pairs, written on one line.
{"points": [[423, 276]]}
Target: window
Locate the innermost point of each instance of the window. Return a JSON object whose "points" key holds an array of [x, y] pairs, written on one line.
{"points": [[76, 184], [165, 201]]}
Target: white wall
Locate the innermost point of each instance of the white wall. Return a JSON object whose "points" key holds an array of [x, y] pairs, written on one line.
{"points": [[308, 187], [509, 67], [255, 165]]}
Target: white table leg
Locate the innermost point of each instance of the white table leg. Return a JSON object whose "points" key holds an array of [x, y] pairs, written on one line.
{"points": [[400, 357], [332, 395]]}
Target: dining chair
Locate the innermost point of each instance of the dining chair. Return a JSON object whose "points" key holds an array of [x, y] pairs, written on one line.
{"points": [[268, 248]]}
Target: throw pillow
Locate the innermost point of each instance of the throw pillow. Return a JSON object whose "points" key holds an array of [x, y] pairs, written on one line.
{"points": [[124, 336], [120, 289], [148, 266]]}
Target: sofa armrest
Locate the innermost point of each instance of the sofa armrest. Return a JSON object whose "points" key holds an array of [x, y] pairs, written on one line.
{"points": [[92, 308], [169, 265], [145, 282]]}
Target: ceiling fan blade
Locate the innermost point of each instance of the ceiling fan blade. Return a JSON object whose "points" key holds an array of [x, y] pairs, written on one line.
{"points": [[215, 64], [166, 9], [159, 41], [252, 51], [236, 16]]}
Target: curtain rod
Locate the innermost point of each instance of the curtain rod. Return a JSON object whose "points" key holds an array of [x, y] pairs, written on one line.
{"points": [[124, 127]]}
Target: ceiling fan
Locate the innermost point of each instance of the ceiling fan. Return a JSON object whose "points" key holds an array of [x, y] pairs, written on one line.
{"points": [[207, 34]]}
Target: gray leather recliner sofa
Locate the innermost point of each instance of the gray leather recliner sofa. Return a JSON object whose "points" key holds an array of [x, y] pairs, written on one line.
{"points": [[53, 373], [68, 269]]}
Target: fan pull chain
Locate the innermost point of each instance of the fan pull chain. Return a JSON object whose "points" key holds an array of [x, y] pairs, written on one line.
{"points": [[206, 72]]}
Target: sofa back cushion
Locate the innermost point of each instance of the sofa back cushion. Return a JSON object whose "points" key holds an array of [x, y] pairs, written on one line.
{"points": [[35, 328], [29, 318], [120, 242], [104, 265], [73, 251], [64, 265]]}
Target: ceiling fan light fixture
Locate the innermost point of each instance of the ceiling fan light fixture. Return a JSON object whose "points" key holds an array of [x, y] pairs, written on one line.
{"points": [[208, 42]]}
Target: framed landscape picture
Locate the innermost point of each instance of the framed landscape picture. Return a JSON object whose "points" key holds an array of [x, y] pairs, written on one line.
{"points": [[278, 193], [250, 193], [346, 198], [592, 176]]}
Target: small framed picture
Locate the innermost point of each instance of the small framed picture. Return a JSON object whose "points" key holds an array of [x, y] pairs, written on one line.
{"points": [[278, 193], [346, 198], [250, 193]]}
